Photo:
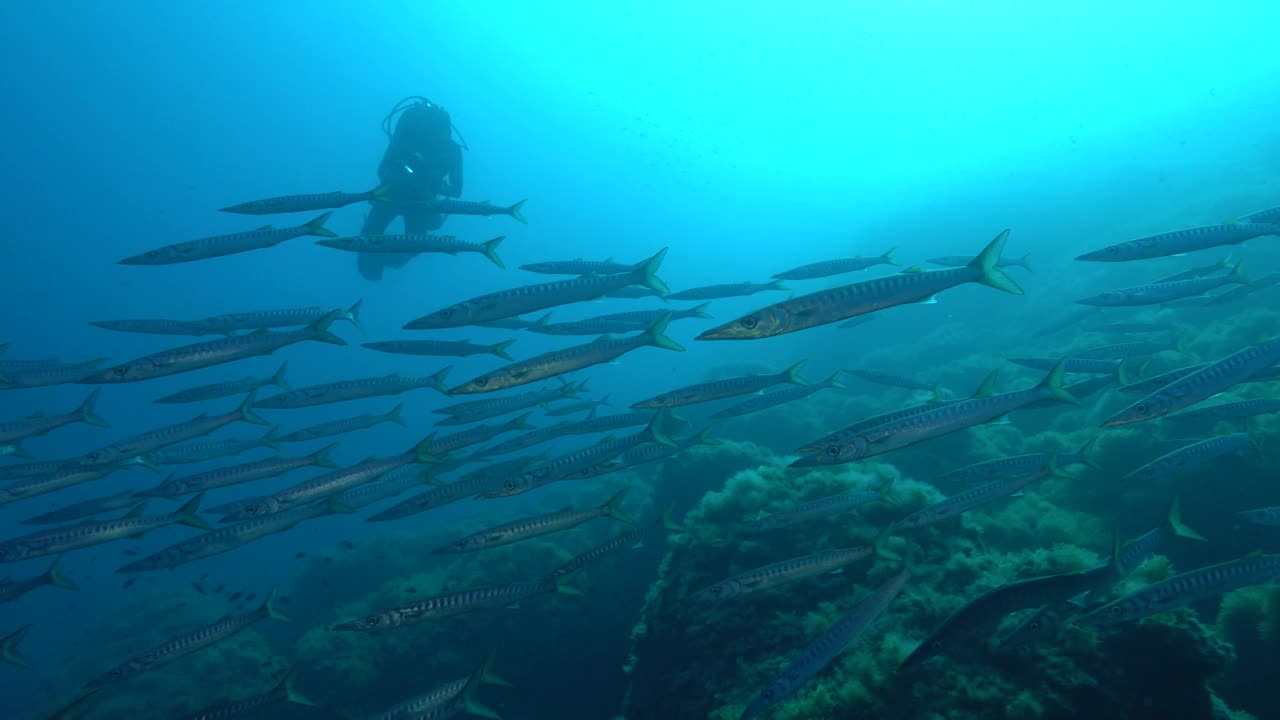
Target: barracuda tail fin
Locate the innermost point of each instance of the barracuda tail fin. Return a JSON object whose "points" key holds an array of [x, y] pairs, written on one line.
{"points": [[422, 451], [352, 315], [319, 330], [54, 576], [489, 676], [985, 263], [315, 226], [1085, 453], [287, 692], [887, 257], [437, 378], [186, 514], [833, 381], [246, 411], [647, 270], [700, 311], [321, 457], [490, 250], [394, 416], [655, 335], [270, 607], [520, 423], [668, 519], [1052, 383], [1237, 274], [613, 508], [9, 647], [278, 379], [656, 430], [500, 349], [793, 374], [85, 413], [514, 211], [270, 438], [379, 194], [1179, 528]]}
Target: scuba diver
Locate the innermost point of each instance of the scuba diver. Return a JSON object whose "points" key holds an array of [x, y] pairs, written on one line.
{"points": [[421, 162]]}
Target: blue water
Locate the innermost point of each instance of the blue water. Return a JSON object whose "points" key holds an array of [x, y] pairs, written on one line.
{"points": [[747, 138]]}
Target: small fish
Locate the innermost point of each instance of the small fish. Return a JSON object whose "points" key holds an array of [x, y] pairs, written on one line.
{"points": [[558, 362], [721, 389], [219, 245], [577, 266], [913, 285], [443, 348], [345, 425], [306, 203], [1191, 456], [243, 386], [128, 583], [413, 244], [1200, 384], [234, 596], [1180, 242], [828, 268], [531, 298], [199, 588], [537, 526], [299, 556], [1164, 292], [213, 352], [347, 544], [447, 206], [219, 589], [1183, 590], [39, 425]]}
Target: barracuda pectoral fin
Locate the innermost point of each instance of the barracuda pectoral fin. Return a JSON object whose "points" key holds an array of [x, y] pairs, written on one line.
{"points": [[1179, 528]]}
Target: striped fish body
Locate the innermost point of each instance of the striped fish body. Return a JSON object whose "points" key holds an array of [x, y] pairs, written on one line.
{"points": [[140, 445], [183, 645], [1182, 590], [1270, 215], [781, 396], [1157, 293], [577, 267], [1016, 465], [203, 451], [923, 426], [44, 424], [146, 326], [967, 500], [87, 508], [524, 529], [299, 203], [1118, 351], [474, 436], [844, 435], [1181, 241], [236, 709], [1259, 283], [605, 423], [206, 354], [423, 243], [827, 268], [781, 573], [228, 476], [828, 646], [490, 407], [627, 321], [338, 427], [1071, 364], [450, 604], [1200, 384], [553, 364], [59, 479], [842, 303], [625, 541], [48, 376], [226, 538], [1230, 411], [436, 497], [585, 462], [652, 452], [392, 384], [444, 348], [450, 206], [530, 439], [75, 537], [504, 468], [716, 390], [259, 319], [316, 488], [727, 290], [1269, 516], [33, 469], [243, 386], [1191, 456], [575, 408], [220, 245], [531, 298], [1151, 384], [811, 510], [390, 485]]}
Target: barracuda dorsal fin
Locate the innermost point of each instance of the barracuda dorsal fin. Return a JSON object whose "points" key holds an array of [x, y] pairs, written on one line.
{"points": [[913, 270], [988, 386]]}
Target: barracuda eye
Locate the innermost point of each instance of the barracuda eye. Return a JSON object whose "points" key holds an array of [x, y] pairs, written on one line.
{"points": [[1116, 611], [717, 590], [509, 485], [935, 645], [251, 509], [446, 313], [372, 620], [749, 323], [116, 672], [1034, 625], [1142, 408], [121, 371], [482, 381], [833, 451]]}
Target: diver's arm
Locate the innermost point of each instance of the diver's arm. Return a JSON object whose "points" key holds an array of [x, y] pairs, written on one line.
{"points": [[454, 188]]}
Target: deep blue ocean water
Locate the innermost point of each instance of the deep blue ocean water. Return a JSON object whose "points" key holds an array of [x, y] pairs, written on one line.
{"points": [[746, 138]]}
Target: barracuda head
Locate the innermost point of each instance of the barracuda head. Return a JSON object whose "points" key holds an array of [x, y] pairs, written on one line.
{"points": [[763, 323]]}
